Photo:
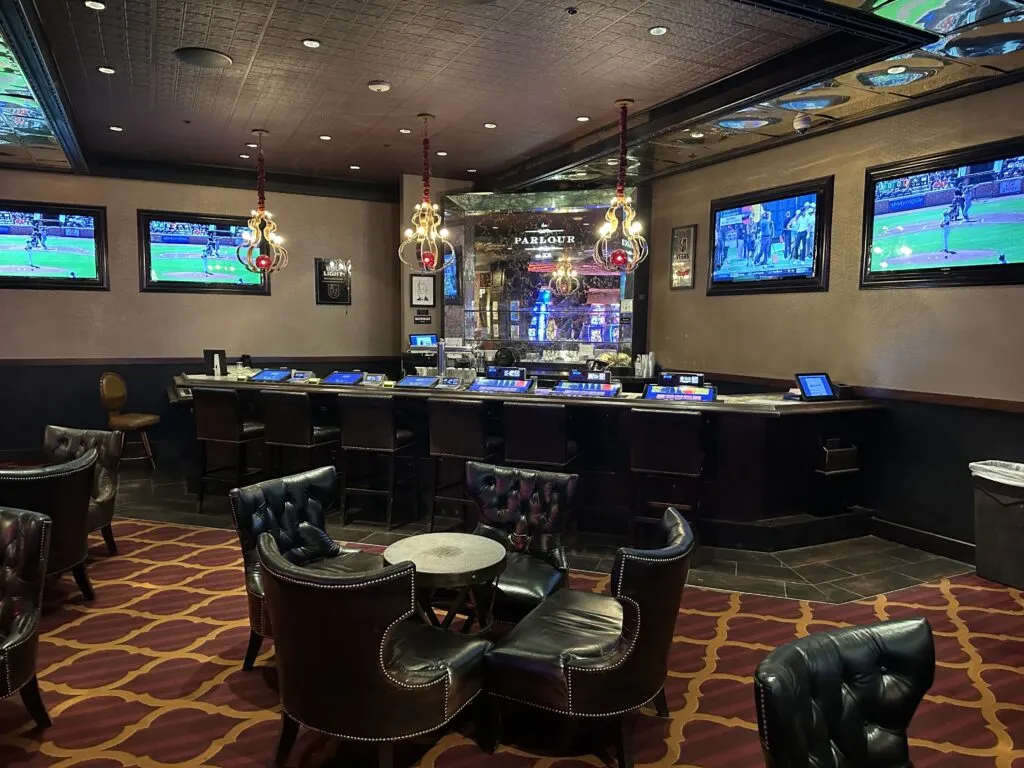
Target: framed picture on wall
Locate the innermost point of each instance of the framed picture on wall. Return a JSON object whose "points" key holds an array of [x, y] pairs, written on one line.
{"points": [[333, 281], [951, 219], [681, 262], [49, 245], [421, 290], [772, 241], [194, 253]]}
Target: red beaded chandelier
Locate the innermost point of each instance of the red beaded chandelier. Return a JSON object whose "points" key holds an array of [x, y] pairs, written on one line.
{"points": [[262, 250], [426, 247], [614, 252]]}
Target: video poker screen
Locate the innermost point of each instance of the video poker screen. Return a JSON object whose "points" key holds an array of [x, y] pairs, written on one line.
{"points": [[52, 246], [344, 378], [193, 253], [956, 222], [271, 375]]}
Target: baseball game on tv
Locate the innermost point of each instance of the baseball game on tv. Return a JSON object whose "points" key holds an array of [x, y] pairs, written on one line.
{"points": [[52, 246], [770, 240], [953, 220]]}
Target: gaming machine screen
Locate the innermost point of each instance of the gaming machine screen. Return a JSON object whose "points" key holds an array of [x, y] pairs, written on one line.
{"points": [[52, 246]]}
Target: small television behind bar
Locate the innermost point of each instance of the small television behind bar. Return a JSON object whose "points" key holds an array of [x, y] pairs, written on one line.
{"points": [[772, 241], [47, 245], [673, 379], [422, 340], [506, 372], [582, 375], [950, 219]]}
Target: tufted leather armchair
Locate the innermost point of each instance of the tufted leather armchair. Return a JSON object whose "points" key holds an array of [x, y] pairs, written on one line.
{"points": [[62, 492], [586, 655], [350, 665], [291, 509], [63, 443], [527, 512], [844, 699], [24, 546]]}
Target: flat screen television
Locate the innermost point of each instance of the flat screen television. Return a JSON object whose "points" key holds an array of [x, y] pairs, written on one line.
{"points": [[453, 279], [49, 245], [194, 253], [771, 241], [950, 219]]}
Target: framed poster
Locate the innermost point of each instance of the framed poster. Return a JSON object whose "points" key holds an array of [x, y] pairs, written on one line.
{"points": [[683, 239], [421, 290], [333, 281]]}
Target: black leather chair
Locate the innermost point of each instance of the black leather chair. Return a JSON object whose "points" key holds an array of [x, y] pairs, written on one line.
{"points": [[292, 510], [63, 444], [222, 420], [350, 665], [580, 654], [844, 699], [62, 492], [536, 436], [289, 425], [527, 512], [24, 546]]}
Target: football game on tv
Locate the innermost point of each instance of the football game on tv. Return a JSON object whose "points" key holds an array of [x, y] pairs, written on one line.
{"points": [[52, 246], [770, 241], [187, 253], [960, 220]]}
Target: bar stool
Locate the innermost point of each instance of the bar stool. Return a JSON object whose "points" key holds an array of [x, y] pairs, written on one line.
{"points": [[535, 436], [113, 396], [665, 445], [220, 419], [457, 431], [288, 417], [368, 427]]}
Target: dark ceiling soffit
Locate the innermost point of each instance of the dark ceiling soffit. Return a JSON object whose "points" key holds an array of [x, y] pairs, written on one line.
{"points": [[868, 40], [23, 37], [240, 178]]}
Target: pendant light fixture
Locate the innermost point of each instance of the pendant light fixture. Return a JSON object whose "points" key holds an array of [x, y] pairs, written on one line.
{"points": [[620, 246], [262, 250], [426, 247], [564, 279]]}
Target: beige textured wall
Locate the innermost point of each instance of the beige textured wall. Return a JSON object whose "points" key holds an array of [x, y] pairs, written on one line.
{"points": [[963, 341], [124, 323]]}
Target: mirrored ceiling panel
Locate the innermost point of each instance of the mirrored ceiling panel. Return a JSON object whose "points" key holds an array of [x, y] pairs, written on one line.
{"points": [[835, 102], [702, 141], [998, 44], [914, 74], [946, 16]]}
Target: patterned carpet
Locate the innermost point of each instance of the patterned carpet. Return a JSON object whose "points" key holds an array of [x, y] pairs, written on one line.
{"points": [[150, 675]]}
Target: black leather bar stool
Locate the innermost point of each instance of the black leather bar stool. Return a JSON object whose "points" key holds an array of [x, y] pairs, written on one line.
{"points": [[458, 431], [535, 436], [288, 417], [222, 420], [368, 427], [666, 459]]}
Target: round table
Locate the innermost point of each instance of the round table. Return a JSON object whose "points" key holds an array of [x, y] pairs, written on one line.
{"points": [[464, 562]]}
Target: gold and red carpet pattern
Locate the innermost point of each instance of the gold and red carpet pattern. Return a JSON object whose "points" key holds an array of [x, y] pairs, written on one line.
{"points": [[150, 674]]}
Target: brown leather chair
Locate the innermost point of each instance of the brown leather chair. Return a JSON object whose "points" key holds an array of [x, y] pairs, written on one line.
{"points": [[292, 510], [63, 444], [113, 396], [62, 492], [24, 546], [527, 512], [536, 436], [351, 663], [288, 422], [222, 420], [580, 654]]}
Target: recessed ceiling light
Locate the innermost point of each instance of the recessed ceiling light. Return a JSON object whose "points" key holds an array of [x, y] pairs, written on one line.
{"points": [[309, 42], [116, 128], [658, 31], [490, 125], [896, 70], [379, 86], [404, 130], [252, 145], [613, 162], [105, 70], [471, 170], [244, 157], [325, 137], [95, 5], [442, 154], [353, 167], [696, 134], [582, 119]]}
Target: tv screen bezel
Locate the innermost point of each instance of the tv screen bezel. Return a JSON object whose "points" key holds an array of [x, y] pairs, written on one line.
{"points": [[99, 233], [823, 188], [147, 285], [1007, 274]]}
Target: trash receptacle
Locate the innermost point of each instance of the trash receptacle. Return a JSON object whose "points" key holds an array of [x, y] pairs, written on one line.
{"points": [[999, 521]]}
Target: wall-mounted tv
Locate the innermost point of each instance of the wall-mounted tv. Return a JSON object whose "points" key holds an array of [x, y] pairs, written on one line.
{"points": [[950, 219], [771, 241], [48, 245], [194, 253], [453, 279]]}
